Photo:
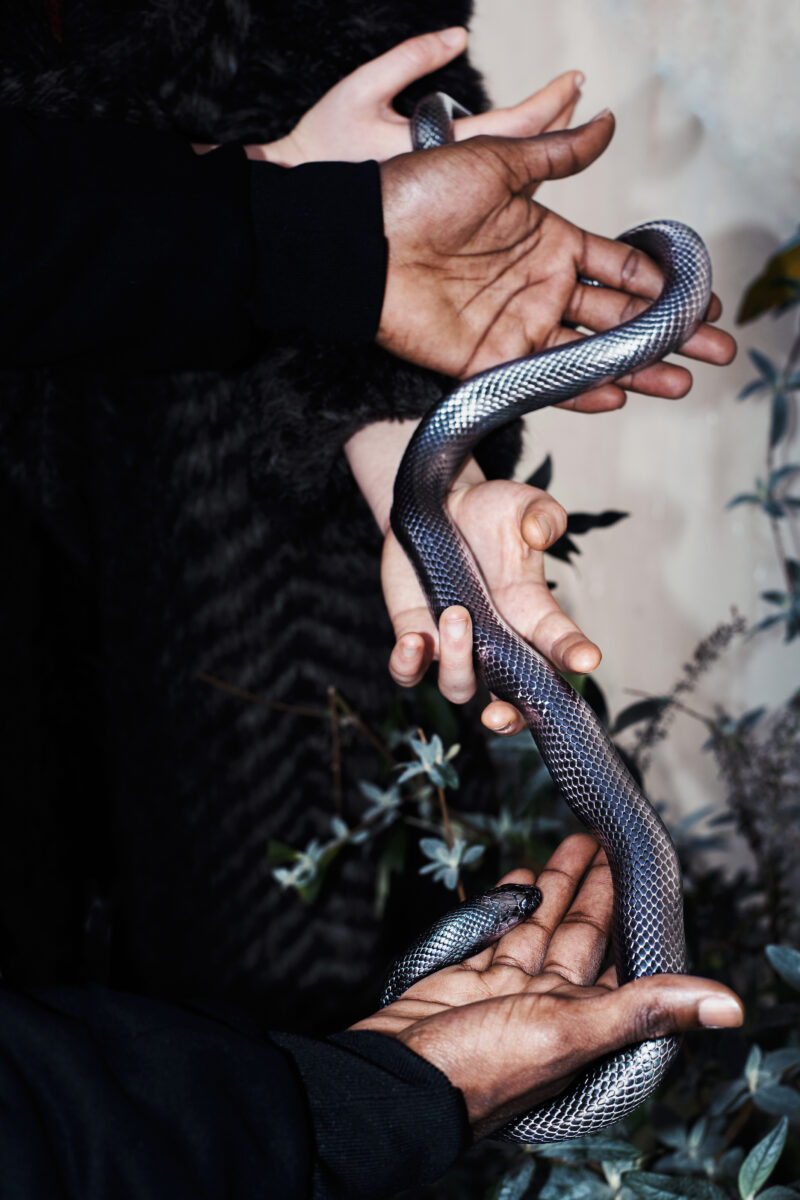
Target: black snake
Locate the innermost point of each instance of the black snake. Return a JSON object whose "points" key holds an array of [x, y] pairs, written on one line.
{"points": [[648, 909]]}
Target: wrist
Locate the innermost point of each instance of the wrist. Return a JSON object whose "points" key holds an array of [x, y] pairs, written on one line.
{"points": [[284, 152], [319, 231], [374, 454]]}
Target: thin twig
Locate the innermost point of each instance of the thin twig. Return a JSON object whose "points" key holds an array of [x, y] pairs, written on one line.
{"points": [[358, 723], [243, 694], [739, 1121], [677, 704], [336, 752]]}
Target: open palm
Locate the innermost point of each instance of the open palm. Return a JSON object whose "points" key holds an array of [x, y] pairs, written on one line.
{"points": [[515, 1023], [507, 526]]}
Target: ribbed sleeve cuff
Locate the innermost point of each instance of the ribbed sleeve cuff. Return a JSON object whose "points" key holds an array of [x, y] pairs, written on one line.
{"points": [[321, 250], [384, 1118]]}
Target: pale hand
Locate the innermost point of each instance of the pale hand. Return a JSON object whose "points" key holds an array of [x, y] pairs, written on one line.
{"points": [[507, 526], [356, 120]]}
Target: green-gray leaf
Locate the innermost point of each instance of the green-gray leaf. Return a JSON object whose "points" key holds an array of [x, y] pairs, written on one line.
{"points": [[755, 385], [780, 1060], [779, 417], [573, 1183], [752, 1066], [594, 1148], [760, 1162], [744, 498], [652, 1186], [279, 852], [642, 710], [786, 961], [778, 1100], [763, 365], [514, 1183]]}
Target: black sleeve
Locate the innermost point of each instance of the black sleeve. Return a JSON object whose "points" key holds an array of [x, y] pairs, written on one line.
{"points": [[104, 1094], [122, 248]]}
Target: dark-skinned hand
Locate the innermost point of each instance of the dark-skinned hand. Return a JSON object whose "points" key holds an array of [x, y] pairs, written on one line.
{"points": [[513, 1025]]}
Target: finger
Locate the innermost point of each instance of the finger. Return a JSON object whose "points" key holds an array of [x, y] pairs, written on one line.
{"points": [[607, 398], [609, 979], [617, 265], [662, 379], [558, 638], [530, 117], [655, 1007], [599, 309], [564, 118], [525, 947], [551, 155], [543, 522], [578, 945], [410, 658], [501, 717], [383, 77], [518, 875], [457, 680], [482, 960]]}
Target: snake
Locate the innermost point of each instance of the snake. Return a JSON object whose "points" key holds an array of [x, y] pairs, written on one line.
{"points": [[647, 922]]}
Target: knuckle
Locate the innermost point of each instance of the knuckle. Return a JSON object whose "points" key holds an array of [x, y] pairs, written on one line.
{"points": [[419, 51], [567, 973], [630, 267], [631, 308], [508, 960], [402, 680], [457, 693], [580, 917], [652, 1020]]}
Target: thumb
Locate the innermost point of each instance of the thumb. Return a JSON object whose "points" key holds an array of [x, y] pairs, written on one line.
{"points": [[659, 1005], [383, 77], [553, 155]]}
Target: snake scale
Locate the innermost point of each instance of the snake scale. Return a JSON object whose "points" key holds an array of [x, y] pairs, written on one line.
{"points": [[648, 932]]}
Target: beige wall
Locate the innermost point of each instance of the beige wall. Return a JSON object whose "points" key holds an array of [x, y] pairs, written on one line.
{"points": [[703, 94]]}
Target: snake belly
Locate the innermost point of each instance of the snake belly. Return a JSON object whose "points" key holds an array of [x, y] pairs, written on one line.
{"points": [[647, 925]]}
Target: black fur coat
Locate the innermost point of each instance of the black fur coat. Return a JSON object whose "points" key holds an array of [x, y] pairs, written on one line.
{"points": [[159, 528]]}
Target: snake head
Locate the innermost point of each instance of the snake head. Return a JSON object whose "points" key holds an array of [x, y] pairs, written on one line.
{"points": [[513, 903]]}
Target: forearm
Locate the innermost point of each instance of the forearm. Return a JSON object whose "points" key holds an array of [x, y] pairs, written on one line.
{"points": [[169, 1101], [374, 455], [123, 249]]}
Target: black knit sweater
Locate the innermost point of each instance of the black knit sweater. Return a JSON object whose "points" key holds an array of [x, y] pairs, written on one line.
{"points": [[164, 527]]}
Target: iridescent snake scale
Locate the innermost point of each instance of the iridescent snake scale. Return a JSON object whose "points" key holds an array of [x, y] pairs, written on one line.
{"points": [[648, 909]]}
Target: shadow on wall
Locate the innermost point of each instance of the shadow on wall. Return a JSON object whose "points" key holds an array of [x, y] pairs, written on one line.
{"points": [[671, 137]]}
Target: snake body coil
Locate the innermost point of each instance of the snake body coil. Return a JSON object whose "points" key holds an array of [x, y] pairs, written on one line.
{"points": [[648, 909]]}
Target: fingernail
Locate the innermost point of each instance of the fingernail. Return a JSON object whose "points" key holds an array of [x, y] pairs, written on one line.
{"points": [[604, 112], [457, 627], [719, 1012], [453, 37], [544, 526]]}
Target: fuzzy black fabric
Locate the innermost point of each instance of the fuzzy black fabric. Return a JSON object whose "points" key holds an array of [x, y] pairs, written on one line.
{"points": [[162, 528]]}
